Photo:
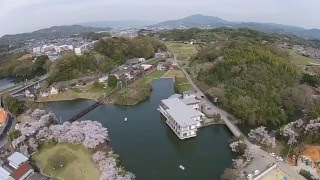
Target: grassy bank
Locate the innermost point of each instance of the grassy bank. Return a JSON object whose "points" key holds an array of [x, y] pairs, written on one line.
{"points": [[75, 160], [137, 91], [70, 95], [181, 83]]}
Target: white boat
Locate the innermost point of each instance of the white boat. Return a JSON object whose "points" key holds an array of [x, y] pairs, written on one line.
{"points": [[181, 167], [125, 119]]}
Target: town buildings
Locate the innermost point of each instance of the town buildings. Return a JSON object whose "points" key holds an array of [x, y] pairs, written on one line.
{"points": [[182, 115], [17, 167]]}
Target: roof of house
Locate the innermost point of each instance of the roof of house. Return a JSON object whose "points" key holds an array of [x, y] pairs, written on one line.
{"points": [[4, 174], [189, 93], [22, 170], [37, 176], [17, 158], [56, 86], [175, 96], [190, 101], [3, 115], [180, 112]]}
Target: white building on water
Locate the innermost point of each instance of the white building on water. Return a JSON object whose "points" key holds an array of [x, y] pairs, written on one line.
{"points": [[183, 119]]}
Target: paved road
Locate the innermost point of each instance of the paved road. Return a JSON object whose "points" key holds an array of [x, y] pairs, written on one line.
{"points": [[236, 132]]}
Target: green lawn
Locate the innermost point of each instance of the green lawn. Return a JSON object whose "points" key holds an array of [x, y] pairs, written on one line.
{"points": [[182, 84], [76, 160], [150, 77], [301, 60], [154, 61]]}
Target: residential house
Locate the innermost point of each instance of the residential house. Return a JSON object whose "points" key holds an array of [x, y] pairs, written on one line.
{"points": [[182, 119], [4, 174], [22, 172], [146, 67], [103, 78], [55, 88], [129, 74], [44, 92], [29, 94], [37, 176], [17, 159], [162, 66], [119, 74]]}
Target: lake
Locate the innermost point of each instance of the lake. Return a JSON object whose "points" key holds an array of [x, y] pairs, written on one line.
{"points": [[148, 147]]}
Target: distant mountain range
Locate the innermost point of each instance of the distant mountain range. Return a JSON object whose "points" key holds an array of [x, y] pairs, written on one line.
{"points": [[202, 21], [118, 24], [198, 21], [49, 33]]}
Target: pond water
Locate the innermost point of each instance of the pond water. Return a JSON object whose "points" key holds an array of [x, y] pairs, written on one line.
{"points": [[147, 146]]}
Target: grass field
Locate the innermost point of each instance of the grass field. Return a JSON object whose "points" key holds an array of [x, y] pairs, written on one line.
{"points": [[183, 51], [76, 161], [182, 84]]}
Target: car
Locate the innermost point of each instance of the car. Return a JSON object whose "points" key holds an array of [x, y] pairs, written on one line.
{"points": [[249, 176], [279, 158], [272, 154], [207, 107], [256, 172]]}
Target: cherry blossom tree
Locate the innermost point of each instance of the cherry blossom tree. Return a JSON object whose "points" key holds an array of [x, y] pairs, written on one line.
{"points": [[251, 151], [260, 135], [238, 163]]}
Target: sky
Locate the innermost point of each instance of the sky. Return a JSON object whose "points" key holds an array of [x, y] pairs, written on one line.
{"points": [[18, 16]]}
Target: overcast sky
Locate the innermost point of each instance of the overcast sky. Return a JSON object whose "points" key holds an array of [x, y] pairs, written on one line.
{"points": [[17, 16]]}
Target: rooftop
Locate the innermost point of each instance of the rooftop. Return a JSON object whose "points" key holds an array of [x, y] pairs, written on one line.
{"points": [[190, 101], [17, 158], [3, 115], [181, 113], [4, 174], [22, 170]]}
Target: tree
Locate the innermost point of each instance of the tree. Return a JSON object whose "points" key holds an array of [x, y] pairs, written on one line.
{"points": [[112, 81], [13, 105], [14, 134]]}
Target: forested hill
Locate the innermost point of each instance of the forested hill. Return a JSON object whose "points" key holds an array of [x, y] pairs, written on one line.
{"points": [[251, 76], [49, 33], [252, 81]]}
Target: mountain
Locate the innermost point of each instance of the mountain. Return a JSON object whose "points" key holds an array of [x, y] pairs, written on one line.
{"points": [[118, 24], [202, 21], [197, 20], [49, 33]]}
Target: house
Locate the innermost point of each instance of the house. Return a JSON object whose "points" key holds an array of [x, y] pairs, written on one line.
{"points": [[119, 74], [3, 116], [22, 172], [162, 66], [44, 92], [37, 176], [189, 94], [29, 94], [146, 67], [181, 118], [103, 79], [4, 174], [17, 159], [176, 96], [55, 88], [129, 74]]}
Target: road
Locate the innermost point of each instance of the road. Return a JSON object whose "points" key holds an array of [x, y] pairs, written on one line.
{"points": [[4, 132], [236, 132]]}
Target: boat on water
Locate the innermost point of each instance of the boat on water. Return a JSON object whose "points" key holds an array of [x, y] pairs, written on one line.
{"points": [[182, 167], [125, 119]]}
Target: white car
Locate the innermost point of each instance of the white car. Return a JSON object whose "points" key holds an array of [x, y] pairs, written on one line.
{"points": [[256, 172], [272, 154], [279, 158], [249, 176]]}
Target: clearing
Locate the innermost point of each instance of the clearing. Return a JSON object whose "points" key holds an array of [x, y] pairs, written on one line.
{"points": [[300, 60], [75, 160], [312, 152], [184, 52], [181, 83]]}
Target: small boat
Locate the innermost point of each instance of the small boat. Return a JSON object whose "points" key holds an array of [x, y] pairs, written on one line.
{"points": [[125, 119], [181, 167]]}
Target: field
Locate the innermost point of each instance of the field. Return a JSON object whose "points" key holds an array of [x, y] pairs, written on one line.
{"points": [[75, 160], [301, 60], [173, 74], [70, 95], [183, 52]]}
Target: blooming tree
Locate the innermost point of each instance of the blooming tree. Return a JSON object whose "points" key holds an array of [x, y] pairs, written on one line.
{"points": [[260, 135], [238, 163], [251, 151]]}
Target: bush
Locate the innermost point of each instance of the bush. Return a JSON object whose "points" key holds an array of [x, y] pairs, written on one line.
{"points": [[112, 81], [13, 105], [14, 134]]}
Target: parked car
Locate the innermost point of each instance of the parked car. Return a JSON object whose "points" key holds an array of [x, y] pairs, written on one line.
{"points": [[256, 172], [272, 154], [207, 107], [279, 158], [249, 176]]}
